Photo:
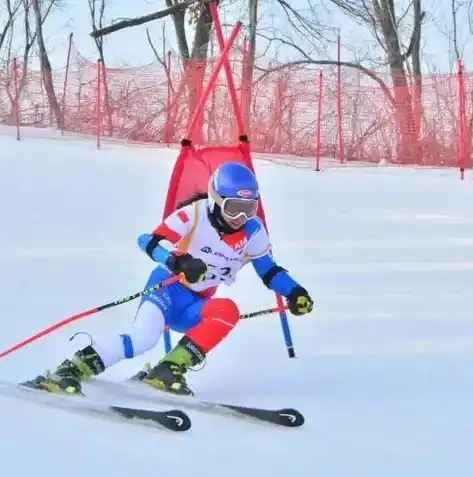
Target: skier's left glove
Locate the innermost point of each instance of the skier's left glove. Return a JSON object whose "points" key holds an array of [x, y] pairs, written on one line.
{"points": [[299, 301]]}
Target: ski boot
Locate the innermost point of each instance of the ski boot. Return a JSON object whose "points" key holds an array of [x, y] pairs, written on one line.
{"points": [[70, 373], [169, 374]]}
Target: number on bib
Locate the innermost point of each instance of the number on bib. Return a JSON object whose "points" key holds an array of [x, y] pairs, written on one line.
{"points": [[215, 272]]}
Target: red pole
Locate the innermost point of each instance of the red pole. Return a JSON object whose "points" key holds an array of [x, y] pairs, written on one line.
{"points": [[99, 102], [339, 101], [16, 103], [213, 78], [228, 71], [278, 116], [461, 120], [107, 109], [319, 121], [243, 71], [66, 76], [167, 128], [243, 87]]}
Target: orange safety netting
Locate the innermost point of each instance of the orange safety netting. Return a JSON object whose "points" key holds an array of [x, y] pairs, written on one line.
{"points": [[292, 111]]}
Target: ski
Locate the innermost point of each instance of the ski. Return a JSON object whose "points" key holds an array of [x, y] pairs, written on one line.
{"points": [[286, 417], [172, 419]]}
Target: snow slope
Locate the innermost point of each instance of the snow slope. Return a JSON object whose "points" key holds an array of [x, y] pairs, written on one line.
{"points": [[384, 369]]}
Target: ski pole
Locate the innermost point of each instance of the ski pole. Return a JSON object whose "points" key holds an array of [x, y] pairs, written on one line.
{"points": [[268, 311], [286, 330], [92, 311]]}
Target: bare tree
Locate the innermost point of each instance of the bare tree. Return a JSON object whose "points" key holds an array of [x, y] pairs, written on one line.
{"points": [[199, 15], [161, 57], [194, 59], [132, 22], [248, 68], [24, 19], [297, 29], [97, 14], [455, 34], [469, 6], [453, 28], [455, 7], [30, 34], [6, 37], [41, 9], [12, 9], [386, 25]]}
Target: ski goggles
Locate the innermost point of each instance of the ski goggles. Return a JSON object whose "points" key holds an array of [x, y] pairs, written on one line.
{"points": [[235, 208]]}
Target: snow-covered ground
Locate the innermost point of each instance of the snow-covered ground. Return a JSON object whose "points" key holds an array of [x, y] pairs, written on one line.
{"points": [[384, 373]]}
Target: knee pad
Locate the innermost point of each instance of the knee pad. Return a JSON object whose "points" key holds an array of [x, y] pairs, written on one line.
{"points": [[218, 317], [146, 330], [143, 336]]}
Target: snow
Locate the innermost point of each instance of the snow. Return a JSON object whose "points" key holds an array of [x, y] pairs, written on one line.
{"points": [[385, 363]]}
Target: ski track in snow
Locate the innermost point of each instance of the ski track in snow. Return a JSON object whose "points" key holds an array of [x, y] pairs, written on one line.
{"points": [[385, 363]]}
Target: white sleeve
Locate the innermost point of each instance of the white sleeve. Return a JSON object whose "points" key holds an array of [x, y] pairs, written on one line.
{"points": [[176, 227]]}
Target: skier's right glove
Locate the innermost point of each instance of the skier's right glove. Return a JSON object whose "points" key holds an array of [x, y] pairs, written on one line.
{"points": [[193, 269]]}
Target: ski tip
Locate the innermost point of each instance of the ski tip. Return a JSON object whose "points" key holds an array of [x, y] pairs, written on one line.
{"points": [[291, 417], [173, 419], [181, 421]]}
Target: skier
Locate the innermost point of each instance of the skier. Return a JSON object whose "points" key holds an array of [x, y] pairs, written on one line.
{"points": [[207, 242]]}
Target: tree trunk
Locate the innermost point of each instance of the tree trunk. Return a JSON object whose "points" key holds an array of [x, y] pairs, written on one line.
{"points": [[198, 62], [46, 69], [179, 20], [416, 66], [202, 34], [106, 91], [408, 143], [248, 68]]}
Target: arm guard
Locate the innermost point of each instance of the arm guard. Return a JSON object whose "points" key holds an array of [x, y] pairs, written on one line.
{"points": [[158, 248], [274, 276]]}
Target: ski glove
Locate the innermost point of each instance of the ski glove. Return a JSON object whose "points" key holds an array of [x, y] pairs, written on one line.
{"points": [[193, 269], [299, 301]]}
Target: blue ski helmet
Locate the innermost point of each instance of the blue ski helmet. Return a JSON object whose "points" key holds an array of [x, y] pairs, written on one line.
{"points": [[233, 196]]}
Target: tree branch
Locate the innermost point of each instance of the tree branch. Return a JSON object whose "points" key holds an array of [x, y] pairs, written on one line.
{"points": [[12, 11], [414, 37], [131, 22], [161, 60], [348, 64], [287, 43]]}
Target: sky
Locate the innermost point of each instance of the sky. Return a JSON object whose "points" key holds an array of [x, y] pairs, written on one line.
{"points": [[129, 47]]}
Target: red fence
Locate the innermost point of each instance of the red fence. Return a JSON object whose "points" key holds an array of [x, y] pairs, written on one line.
{"points": [[344, 115]]}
